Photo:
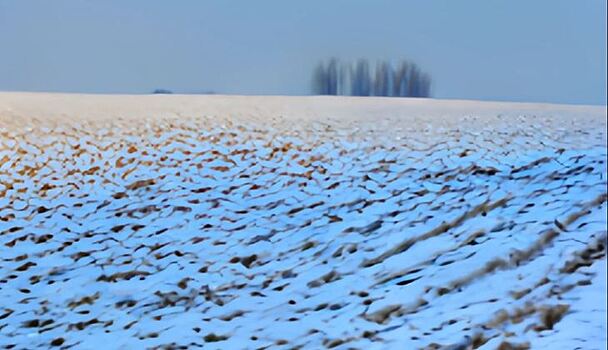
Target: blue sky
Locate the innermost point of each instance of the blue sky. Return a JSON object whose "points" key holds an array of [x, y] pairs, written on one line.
{"points": [[540, 51]]}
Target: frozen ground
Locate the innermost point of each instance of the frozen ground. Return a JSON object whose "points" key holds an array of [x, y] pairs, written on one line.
{"points": [[280, 223]]}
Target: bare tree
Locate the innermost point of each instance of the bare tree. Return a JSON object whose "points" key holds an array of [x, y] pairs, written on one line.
{"points": [[361, 80], [335, 78], [400, 82], [319, 80], [425, 85], [413, 84], [382, 83], [332, 77]]}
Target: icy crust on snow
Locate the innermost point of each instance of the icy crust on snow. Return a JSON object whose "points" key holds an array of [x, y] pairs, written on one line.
{"points": [[228, 234]]}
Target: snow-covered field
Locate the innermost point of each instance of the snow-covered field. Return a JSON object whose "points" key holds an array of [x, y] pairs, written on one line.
{"points": [[300, 222]]}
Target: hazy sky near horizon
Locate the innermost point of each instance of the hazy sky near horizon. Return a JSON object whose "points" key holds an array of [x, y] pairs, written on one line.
{"points": [[537, 51]]}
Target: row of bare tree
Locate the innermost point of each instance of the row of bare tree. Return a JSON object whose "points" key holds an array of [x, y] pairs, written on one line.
{"points": [[338, 78]]}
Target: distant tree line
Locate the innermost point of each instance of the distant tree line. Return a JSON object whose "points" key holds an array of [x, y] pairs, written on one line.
{"points": [[162, 91], [403, 80]]}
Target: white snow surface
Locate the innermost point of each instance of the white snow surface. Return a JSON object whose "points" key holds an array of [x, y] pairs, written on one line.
{"points": [[233, 222]]}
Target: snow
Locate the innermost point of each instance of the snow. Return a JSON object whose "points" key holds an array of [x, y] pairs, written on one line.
{"points": [[235, 222]]}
